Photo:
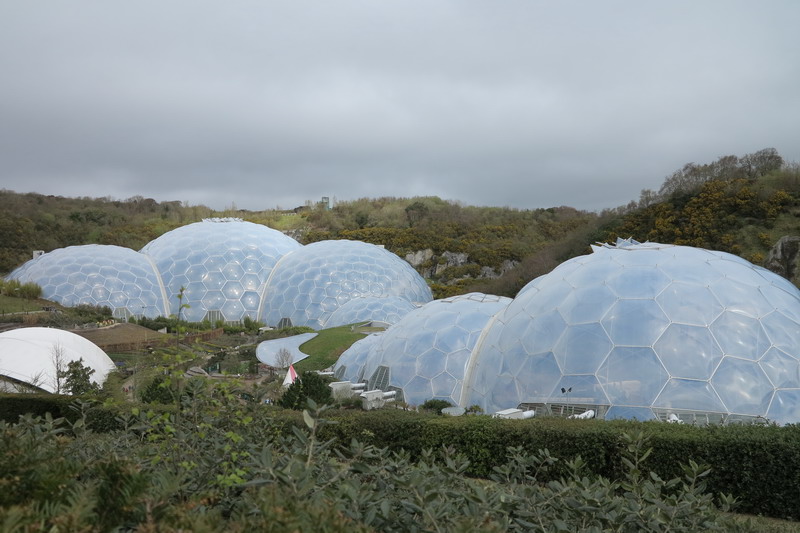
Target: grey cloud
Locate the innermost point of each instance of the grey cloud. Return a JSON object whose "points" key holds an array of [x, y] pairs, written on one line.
{"points": [[272, 103]]}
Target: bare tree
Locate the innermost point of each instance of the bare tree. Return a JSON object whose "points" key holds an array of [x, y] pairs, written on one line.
{"points": [[58, 357], [34, 384], [283, 358]]}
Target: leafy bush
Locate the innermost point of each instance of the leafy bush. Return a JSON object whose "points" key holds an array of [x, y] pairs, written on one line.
{"points": [[435, 405], [161, 389], [223, 465], [309, 385], [15, 289]]}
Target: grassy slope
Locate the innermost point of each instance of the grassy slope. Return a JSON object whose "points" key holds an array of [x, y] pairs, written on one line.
{"points": [[9, 304], [325, 348]]}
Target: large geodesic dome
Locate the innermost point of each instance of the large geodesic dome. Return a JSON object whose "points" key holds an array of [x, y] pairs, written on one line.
{"points": [[308, 285], [101, 275], [223, 265], [647, 331], [424, 355]]}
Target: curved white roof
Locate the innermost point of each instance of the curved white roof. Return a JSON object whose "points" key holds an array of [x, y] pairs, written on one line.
{"points": [[28, 354]]}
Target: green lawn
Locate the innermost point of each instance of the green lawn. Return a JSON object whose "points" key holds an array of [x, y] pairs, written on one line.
{"points": [[326, 347], [19, 305]]}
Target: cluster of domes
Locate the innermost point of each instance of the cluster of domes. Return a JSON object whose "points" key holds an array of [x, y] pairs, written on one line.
{"points": [[631, 331], [228, 269]]}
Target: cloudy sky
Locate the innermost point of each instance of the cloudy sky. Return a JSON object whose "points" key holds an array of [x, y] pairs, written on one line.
{"points": [[264, 104]]}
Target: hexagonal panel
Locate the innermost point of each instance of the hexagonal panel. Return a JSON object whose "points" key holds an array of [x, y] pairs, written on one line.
{"points": [[550, 296], [638, 282], [739, 298], [740, 335], [589, 273], [737, 271], [418, 390], [788, 302], [632, 376], [582, 348], [785, 407], [635, 322], [782, 369], [431, 363], [504, 391], [689, 394], [689, 303], [691, 267], [742, 386], [688, 351], [537, 378], [587, 304], [579, 390], [542, 333], [349, 366], [782, 331], [444, 386]]}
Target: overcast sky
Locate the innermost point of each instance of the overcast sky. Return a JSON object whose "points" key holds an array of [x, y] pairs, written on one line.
{"points": [[265, 104]]}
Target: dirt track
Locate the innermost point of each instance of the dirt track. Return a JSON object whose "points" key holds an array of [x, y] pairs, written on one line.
{"points": [[120, 334]]}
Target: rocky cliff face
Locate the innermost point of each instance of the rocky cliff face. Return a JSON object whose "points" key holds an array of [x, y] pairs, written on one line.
{"points": [[433, 266], [784, 258]]}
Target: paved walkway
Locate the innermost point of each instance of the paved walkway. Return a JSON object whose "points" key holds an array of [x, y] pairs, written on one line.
{"points": [[267, 351]]}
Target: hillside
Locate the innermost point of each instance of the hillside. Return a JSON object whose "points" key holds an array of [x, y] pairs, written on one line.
{"points": [[742, 205]]}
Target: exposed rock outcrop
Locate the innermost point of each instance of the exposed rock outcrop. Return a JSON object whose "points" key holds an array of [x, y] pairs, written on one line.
{"points": [[430, 265], [784, 258]]}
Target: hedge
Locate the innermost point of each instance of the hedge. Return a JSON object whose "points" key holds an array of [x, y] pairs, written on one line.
{"points": [[759, 465]]}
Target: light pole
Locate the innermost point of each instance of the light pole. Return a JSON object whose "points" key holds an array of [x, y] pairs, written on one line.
{"points": [[566, 392]]}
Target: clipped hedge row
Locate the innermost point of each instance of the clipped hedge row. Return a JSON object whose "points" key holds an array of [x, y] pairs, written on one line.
{"points": [[100, 418], [759, 465], [14, 405]]}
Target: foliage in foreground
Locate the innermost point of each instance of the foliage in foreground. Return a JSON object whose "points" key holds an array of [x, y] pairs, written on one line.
{"points": [[219, 464]]}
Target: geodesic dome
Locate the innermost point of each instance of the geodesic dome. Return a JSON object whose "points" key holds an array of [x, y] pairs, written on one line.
{"points": [[386, 310], [350, 365], [425, 354], [223, 264], [29, 355], [647, 330], [224, 267], [312, 282], [101, 275]]}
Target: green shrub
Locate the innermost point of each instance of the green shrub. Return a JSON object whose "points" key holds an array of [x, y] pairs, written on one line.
{"points": [[309, 385], [435, 405], [161, 390], [221, 466]]}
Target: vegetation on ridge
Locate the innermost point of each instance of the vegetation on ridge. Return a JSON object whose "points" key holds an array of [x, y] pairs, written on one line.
{"points": [[742, 205]]}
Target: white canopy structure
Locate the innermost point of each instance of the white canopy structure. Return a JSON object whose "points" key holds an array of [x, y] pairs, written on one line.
{"points": [[31, 355]]}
